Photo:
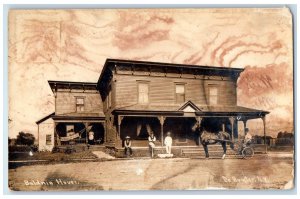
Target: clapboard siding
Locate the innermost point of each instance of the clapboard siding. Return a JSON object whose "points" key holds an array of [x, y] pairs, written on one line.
{"points": [[66, 102], [162, 90]]}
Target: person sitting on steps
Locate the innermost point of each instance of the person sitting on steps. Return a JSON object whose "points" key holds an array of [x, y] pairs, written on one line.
{"points": [[151, 140], [127, 145]]}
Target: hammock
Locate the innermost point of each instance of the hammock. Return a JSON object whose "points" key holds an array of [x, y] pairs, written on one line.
{"points": [[75, 135]]}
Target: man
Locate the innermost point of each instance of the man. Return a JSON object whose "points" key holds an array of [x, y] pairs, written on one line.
{"points": [[248, 137], [168, 143], [127, 145], [91, 138], [151, 140]]}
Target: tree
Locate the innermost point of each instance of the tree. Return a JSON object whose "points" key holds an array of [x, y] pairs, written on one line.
{"points": [[25, 139]]}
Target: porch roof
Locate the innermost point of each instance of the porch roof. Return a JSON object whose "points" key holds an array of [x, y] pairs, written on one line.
{"points": [[137, 109], [79, 116]]}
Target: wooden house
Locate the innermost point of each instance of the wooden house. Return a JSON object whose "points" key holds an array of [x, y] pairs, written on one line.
{"points": [[134, 98], [141, 97], [78, 117]]}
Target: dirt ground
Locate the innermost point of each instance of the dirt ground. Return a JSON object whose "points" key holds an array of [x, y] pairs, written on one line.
{"points": [[260, 172]]}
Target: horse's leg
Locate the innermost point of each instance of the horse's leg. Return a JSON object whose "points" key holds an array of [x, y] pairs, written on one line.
{"points": [[206, 150], [224, 150]]}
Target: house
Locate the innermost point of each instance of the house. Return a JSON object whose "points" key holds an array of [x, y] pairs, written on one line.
{"points": [[142, 97], [78, 117], [134, 98]]}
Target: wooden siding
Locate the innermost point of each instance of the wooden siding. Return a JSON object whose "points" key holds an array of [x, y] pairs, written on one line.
{"points": [[66, 102], [162, 90]]}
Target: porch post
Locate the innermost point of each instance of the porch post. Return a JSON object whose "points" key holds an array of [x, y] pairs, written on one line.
{"points": [[162, 121], [199, 119], [264, 122], [120, 118], [86, 133], [104, 128], [232, 119], [56, 139], [245, 126]]}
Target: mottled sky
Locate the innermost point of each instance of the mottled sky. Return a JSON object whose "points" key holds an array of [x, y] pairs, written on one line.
{"points": [[72, 45]]}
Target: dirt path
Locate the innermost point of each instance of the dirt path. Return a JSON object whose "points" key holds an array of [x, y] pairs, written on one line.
{"points": [[157, 174]]}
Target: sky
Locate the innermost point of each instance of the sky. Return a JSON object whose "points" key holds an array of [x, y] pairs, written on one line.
{"points": [[72, 45]]}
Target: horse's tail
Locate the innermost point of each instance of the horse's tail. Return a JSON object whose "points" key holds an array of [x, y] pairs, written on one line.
{"points": [[226, 135]]}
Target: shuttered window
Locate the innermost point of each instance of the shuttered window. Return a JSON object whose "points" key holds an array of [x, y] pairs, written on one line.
{"points": [[79, 104], [180, 93], [213, 95], [143, 92]]}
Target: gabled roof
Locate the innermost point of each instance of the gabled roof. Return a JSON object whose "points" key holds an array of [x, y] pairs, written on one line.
{"points": [[188, 104], [45, 118]]}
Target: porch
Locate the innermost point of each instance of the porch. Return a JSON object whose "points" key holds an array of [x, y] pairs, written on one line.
{"points": [[138, 124], [78, 131]]}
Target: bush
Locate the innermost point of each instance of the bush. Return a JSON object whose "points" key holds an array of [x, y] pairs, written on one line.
{"points": [[25, 139], [34, 148]]}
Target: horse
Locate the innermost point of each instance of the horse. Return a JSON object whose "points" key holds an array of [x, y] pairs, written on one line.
{"points": [[209, 138]]}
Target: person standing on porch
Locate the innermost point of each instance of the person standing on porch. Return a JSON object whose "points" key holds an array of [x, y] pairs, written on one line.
{"points": [[168, 143], [127, 145], [151, 140]]}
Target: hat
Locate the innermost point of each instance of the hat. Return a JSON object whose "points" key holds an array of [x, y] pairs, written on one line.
{"points": [[127, 137], [169, 133]]}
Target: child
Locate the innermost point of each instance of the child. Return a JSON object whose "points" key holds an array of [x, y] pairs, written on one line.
{"points": [[168, 143]]}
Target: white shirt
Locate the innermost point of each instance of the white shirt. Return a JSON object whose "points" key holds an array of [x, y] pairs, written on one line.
{"points": [[127, 144], [153, 139], [248, 137], [168, 141]]}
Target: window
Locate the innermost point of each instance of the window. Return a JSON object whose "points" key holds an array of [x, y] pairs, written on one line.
{"points": [[48, 139], [213, 95], [143, 92], [180, 93], [79, 104]]}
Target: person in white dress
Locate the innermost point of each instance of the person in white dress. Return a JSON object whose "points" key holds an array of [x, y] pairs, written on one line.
{"points": [[168, 143]]}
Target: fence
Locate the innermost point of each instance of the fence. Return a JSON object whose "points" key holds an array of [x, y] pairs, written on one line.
{"points": [[274, 141]]}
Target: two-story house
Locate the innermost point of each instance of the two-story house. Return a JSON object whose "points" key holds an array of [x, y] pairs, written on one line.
{"points": [[134, 98], [142, 97], [78, 117]]}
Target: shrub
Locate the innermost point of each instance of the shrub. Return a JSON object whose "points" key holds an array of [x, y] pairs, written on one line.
{"points": [[25, 139]]}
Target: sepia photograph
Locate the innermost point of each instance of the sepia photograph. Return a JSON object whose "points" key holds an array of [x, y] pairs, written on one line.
{"points": [[131, 99]]}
